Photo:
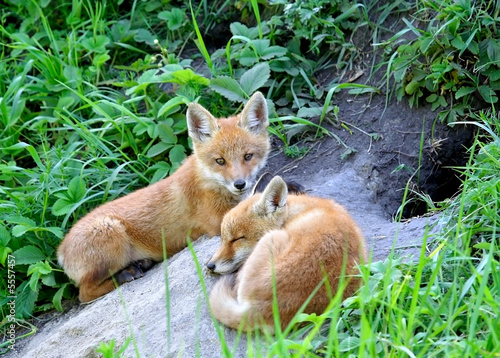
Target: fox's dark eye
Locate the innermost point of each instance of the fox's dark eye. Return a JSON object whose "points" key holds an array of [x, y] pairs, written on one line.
{"points": [[247, 157], [239, 238], [220, 161]]}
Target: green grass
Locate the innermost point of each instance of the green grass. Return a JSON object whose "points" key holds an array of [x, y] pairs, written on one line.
{"points": [[92, 103]]}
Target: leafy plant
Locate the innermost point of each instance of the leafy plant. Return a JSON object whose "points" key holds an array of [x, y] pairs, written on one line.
{"points": [[81, 123], [453, 64]]}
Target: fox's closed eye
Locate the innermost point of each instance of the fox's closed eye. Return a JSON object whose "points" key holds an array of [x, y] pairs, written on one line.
{"points": [[239, 238]]}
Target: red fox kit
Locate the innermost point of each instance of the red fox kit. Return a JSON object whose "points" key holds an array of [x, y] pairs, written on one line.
{"points": [[299, 240], [124, 237]]}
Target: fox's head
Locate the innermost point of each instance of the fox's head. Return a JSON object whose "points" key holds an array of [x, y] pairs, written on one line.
{"points": [[244, 225], [230, 151]]}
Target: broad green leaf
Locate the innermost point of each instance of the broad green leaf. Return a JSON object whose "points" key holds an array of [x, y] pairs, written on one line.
{"points": [[488, 94], [412, 87], [144, 35], [166, 133], [57, 299], [49, 279], [255, 78], [76, 189], [261, 45], [25, 300], [306, 112], [247, 57], [188, 77], [56, 231], [172, 105], [17, 219], [229, 88], [62, 206], [238, 29], [349, 344], [100, 59], [4, 235], [28, 255], [96, 44], [463, 91], [42, 267], [174, 18], [432, 98], [161, 171], [19, 230], [272, 52], [177, 154], [158, 148]]}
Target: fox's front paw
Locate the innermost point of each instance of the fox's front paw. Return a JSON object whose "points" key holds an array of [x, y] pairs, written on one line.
{"points": [[128, 274]]}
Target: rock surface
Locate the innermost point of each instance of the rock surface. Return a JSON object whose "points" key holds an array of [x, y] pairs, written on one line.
{"points": [[139, 308]]}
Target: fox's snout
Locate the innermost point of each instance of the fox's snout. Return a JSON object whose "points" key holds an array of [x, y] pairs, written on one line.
{"points": [[240, 184], [211, 266]]}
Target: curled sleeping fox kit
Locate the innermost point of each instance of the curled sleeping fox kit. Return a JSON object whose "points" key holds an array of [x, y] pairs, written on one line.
{"points": [[295, 242], [124, 237]]}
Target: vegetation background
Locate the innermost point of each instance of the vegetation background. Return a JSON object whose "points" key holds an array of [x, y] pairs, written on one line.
{"points": [[92, 102]]}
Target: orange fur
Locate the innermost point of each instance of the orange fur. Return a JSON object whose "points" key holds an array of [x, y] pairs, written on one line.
{"points": [[228, 153], [299, 238]]}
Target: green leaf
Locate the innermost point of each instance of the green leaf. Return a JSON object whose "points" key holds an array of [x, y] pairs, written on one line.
{"points": [[158, 148], [96, 44], [349, 344], [57, 299], [41, 267], [20, 230], [238, 29], [28, 255], [412, 87], [162, 169], [229, 88], [174, 18], [166, 133], [493, 73], [463, 91], [177, 154], [144, 35], [247, 57], [100, 59], [76, 189], [432, 98], [25, 301], [488, 94], [56, 231], [4, 235], [172, 105], [306, 112], [188, 77], [272, 52], [255, 78], [62, 206]]}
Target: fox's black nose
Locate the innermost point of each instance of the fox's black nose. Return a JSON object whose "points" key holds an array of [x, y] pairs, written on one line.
{"points": [[211, 266], [239, 184]]}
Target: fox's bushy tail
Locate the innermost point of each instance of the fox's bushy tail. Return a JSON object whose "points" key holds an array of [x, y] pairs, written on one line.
{"points": [[224, 303]]}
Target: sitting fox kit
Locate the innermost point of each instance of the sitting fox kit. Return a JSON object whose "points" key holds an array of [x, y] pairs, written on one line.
{"points": [[124, 237], [299, 239]]}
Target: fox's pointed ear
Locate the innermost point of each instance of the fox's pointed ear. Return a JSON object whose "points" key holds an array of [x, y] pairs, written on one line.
{"points": [[254, 116], [262, 183], [200, 122], [273, 198]]}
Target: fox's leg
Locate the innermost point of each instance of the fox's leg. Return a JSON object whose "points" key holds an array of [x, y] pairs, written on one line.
{"points": [[135, 270], [103, 249]]}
